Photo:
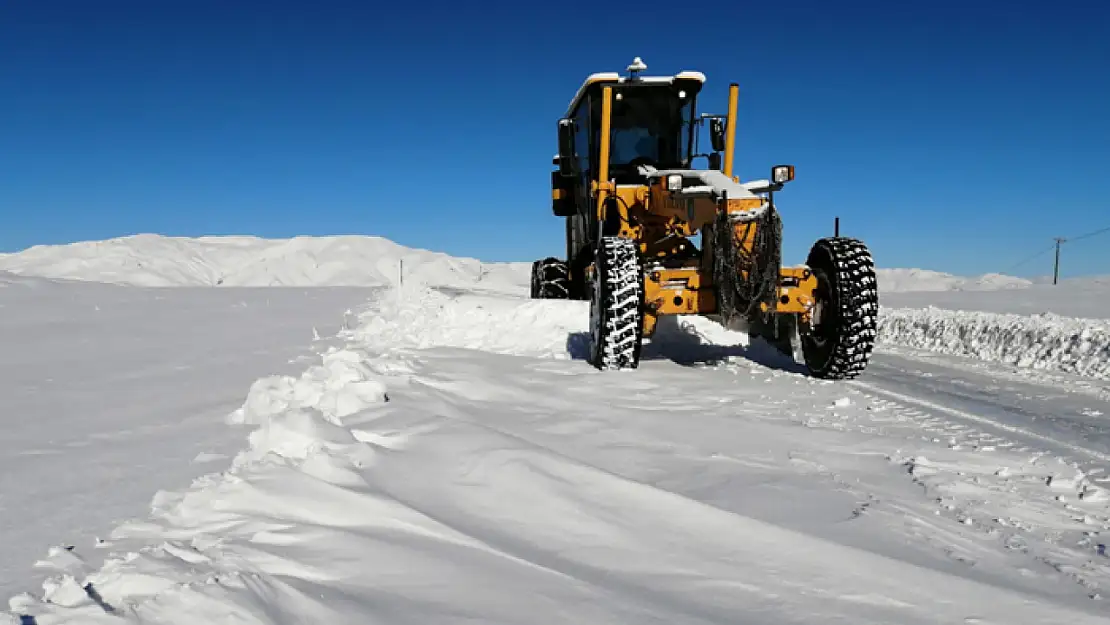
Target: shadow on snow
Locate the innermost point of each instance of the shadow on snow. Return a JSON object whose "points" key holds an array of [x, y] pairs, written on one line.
{"points": [[683, 345]]}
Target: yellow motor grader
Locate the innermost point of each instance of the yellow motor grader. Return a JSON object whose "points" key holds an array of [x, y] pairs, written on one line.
{"points": [[634, 207]]}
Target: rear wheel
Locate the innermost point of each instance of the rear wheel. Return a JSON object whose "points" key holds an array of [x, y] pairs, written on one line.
{"points": [[843, 330], [550, 279], [616, 306]]}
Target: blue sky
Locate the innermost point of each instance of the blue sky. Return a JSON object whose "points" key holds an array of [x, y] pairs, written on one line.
{"points": [[957, 136]]}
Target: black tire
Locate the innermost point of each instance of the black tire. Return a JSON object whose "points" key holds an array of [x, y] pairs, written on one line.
{"points": [[550, 279], [616, 306], [839, 344]]}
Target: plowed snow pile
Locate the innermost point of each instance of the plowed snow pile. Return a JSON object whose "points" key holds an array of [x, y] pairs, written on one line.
{"points": [[457, 463], [1039, 342], [1061, 327]]}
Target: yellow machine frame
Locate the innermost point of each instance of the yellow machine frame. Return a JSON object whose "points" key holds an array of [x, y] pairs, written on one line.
{"points": [[658, 216]]}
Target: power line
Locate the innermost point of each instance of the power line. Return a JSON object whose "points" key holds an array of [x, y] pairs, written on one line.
{"points": [[1056, 243], [1030, 258], [1088, 235], [1061, 240]]}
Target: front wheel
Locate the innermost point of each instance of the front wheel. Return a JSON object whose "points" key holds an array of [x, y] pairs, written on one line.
{"points": [[616, 305], [843, 328]]}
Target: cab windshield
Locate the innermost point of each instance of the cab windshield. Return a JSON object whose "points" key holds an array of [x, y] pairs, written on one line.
{"points": [[650, 125]]}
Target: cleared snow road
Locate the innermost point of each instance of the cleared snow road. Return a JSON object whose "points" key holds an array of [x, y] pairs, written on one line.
{"points": [[1057, 413], [109, 394]]}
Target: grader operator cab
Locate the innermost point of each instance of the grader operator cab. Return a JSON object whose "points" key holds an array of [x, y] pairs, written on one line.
{"points": [[634, 204]]}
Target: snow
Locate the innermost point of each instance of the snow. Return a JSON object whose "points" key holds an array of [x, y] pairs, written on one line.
{"points": [[111, 393], [446, 455], [1075, 297], [1063, 327], [155, 260], [901, 280], [1042, 341]]}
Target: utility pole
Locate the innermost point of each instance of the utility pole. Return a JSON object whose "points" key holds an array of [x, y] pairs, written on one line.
{"points": [[836, 227], [1056, 268]]}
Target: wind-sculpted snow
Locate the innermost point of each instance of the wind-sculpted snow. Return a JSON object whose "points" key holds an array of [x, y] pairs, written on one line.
{"points": [[456, 462], [1043, 341]]}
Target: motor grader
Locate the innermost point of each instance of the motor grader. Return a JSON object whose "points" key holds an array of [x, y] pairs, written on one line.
{"points": [[649, 235]]}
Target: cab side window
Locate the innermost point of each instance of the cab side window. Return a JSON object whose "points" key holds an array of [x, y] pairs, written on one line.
{"points": [[582, 137]]}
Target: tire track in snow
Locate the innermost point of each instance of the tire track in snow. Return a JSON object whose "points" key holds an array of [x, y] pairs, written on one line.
{"points": [[892, 378], [911, 401], [1035, 507]]}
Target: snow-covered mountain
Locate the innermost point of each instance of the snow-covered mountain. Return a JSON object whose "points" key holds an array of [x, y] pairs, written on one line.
{"points": [[155, 260]]}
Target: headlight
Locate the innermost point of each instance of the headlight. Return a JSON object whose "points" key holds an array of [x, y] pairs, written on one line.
{"points": [[674, 182], [781, 174]]}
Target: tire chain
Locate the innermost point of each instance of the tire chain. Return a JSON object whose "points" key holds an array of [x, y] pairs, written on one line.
{"points": [[858, 295], [622, 298]]}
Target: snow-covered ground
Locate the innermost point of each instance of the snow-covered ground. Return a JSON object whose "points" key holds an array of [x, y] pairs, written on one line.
{"points": [[110, 394], [450, 458], [1085, 298]]}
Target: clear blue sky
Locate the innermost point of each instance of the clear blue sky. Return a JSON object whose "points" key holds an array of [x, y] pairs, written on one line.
{"points": [[957, 136]]}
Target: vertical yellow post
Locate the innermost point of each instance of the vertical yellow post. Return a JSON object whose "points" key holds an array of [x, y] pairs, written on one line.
{"points": [[730, 127], [603, 149]]}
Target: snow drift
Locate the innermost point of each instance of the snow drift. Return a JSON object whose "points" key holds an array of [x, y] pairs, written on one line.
{"points": [[1045, 341]]}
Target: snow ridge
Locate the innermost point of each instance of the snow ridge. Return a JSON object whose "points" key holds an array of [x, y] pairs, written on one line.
{"points": [[1044, 341]]}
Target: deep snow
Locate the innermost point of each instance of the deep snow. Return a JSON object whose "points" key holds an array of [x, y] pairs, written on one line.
{"points": [[452, 459], [455, 461], [110, 394]]}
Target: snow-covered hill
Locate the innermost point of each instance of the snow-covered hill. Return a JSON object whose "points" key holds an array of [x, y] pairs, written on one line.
{"points": [[902, 280], [156, 260]]}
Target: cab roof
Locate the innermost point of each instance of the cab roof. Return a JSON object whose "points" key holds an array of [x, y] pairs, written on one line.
{"points": [[615, 78]]}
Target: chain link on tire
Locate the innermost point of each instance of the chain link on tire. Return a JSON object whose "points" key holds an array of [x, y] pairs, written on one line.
{"points": [[616, 306], [842, 336], [550, 279]]}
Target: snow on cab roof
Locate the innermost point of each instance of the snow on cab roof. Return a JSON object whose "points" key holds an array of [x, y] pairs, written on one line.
{"points": [[617, 78]]}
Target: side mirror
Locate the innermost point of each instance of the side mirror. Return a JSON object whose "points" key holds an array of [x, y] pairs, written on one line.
{"points": [[567, 152], [715, 161], [717, 134]]}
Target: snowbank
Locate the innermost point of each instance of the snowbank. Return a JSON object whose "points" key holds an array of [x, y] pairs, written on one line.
{"points": [[155, 260], [1045, 341]]}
